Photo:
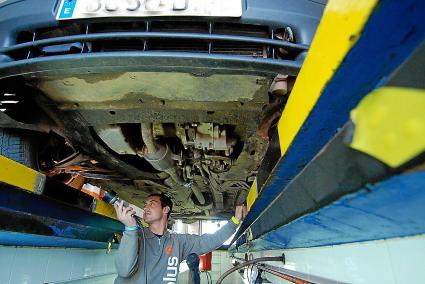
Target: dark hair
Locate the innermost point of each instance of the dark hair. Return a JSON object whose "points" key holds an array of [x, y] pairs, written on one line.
{"points": [[165, 201]]}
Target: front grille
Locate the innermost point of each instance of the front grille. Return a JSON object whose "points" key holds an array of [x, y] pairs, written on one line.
{"points": [[175, 36]]}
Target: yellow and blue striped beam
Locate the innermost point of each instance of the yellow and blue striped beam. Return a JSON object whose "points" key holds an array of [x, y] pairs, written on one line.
{"points": [[18, 175], [358, 44], [338, 31], [37, 219], [22, 177], [344, 195], [388, 209]]}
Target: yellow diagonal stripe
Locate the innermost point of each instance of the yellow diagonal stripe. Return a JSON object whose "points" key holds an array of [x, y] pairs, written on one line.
{"points": [[390, 125], [18, 175], [338, 31], [252, 195]]}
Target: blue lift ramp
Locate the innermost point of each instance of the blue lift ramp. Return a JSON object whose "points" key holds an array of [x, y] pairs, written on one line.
{"points": [[349, 179]]}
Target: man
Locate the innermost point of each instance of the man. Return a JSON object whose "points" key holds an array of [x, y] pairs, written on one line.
{"points": [[152, 255]]}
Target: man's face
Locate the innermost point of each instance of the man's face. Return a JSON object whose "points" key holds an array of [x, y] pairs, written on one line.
{"points": [[153, 210]]}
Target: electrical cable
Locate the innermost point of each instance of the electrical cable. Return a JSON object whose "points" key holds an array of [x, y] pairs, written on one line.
{"points": [[249, 262], [206, 275], [251, 274], [259, 278], [248, 274], [209, 277], [140, 225]]}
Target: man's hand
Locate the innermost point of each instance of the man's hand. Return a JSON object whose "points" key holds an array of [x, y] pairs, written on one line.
{"points": [[240, 212], [125, 214]]}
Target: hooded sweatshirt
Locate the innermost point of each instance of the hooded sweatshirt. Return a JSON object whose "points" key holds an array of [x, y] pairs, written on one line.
{"points": [[159, 262]]}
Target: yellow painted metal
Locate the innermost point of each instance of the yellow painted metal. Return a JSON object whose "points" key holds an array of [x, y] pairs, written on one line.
{"points": [[338, 31], [252, 195], [108, 210], [18, 175], [105, 209], [390, 124]]}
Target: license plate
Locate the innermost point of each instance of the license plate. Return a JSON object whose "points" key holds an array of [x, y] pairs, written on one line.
{"points": [[82, 9]]}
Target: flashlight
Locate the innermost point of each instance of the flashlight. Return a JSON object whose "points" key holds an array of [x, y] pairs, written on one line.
{"points": [[111, 197]]}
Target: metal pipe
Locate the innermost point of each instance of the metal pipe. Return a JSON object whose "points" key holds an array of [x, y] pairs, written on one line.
{"points": [[148, 139], [204, 176], [198, 193], [160, 158], [249, 262], [175, 176], [284, 276], [296, 276]]}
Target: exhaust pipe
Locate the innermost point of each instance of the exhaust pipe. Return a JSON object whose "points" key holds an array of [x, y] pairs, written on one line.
{"points": [[160, 157]]}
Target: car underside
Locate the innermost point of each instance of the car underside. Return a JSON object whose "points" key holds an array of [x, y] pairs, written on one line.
{"points": [[186, 106]]}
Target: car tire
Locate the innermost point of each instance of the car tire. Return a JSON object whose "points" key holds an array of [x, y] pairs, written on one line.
{"points": [[19, 146]]}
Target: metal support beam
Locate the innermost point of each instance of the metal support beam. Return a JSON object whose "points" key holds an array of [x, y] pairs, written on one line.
{"points": [[27, 213], [378, 46], [35, 210], [392, 208]]}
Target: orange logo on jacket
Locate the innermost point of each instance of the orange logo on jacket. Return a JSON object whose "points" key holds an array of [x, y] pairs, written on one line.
{"points": [[169, 250]]}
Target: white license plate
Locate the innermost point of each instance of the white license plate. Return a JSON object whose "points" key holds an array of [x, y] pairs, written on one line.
{"points": [[81, 9]]}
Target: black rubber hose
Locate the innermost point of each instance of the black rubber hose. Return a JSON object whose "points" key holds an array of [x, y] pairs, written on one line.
{"points": [[246, 263]]}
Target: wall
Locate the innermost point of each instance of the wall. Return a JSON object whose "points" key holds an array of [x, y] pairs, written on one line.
{"points": [[392, 261], [54, 265]]}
